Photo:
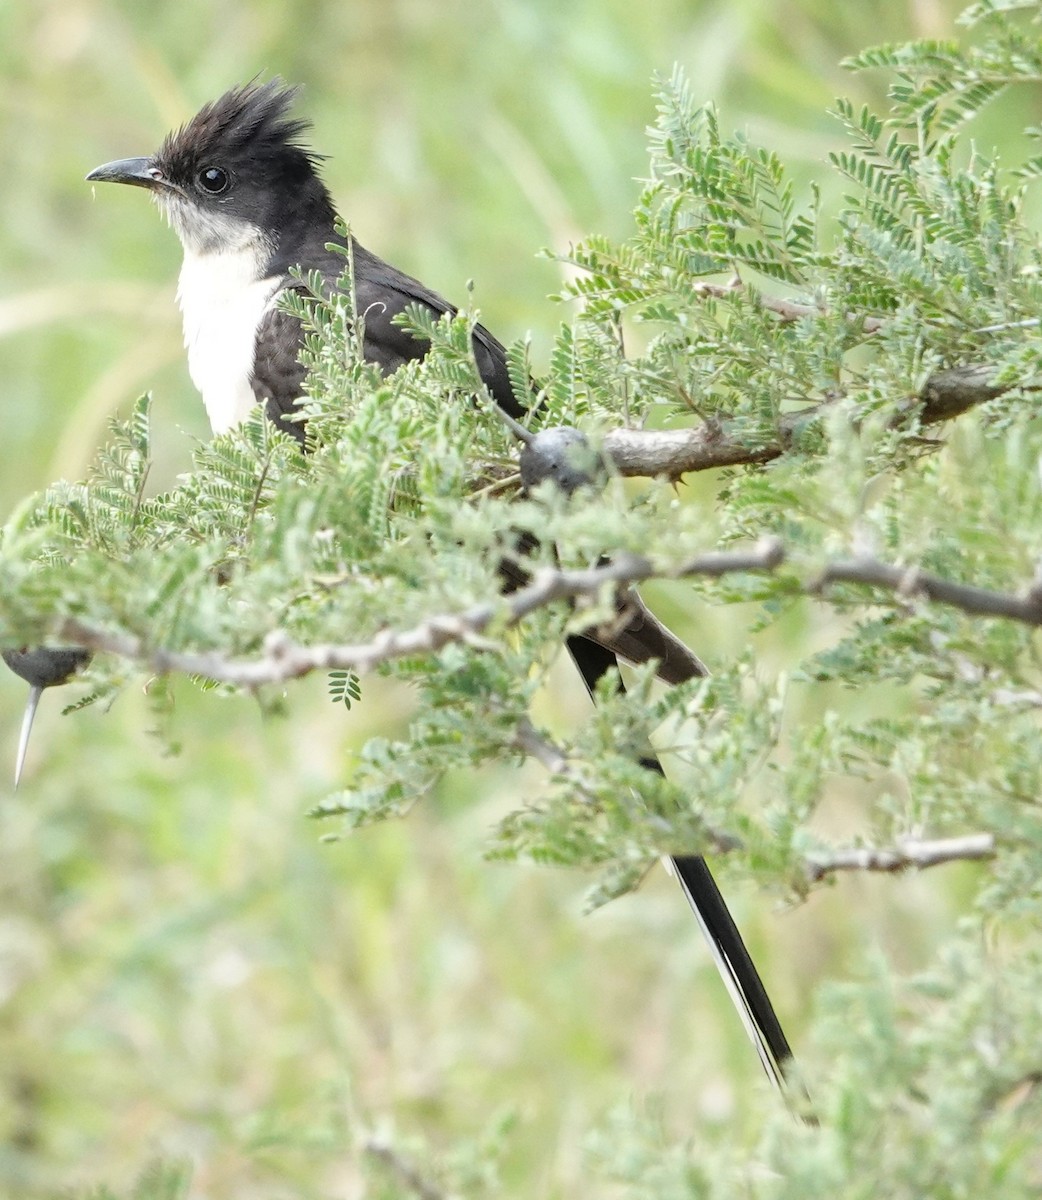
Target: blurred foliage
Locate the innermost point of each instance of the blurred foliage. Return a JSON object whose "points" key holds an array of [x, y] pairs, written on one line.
{"points": [[184, 974]]}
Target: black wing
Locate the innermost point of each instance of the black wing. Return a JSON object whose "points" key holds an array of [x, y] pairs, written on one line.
{"points": [[278, 377], [381, 294]]}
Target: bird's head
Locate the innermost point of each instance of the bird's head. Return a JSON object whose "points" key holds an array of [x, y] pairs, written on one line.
{"points": [[235, 172]]}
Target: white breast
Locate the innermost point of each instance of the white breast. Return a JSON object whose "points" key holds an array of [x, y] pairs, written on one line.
{"points": [[222, 302]]}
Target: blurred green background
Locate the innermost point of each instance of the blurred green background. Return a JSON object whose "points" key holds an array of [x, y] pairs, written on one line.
{"points": [[185, 970]]}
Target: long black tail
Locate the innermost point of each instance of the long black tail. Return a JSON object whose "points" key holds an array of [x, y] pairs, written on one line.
{"points": [[733, 960], [735, 965]]}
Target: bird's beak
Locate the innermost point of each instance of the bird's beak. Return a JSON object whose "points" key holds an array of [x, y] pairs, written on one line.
{"points": [[139, 172]]}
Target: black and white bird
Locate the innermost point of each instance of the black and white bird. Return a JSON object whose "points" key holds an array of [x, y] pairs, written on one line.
{"points": [[245, 197], [247, 202]]}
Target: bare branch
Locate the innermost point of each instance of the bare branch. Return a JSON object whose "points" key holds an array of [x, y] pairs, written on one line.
{"points": [[906, 854]]}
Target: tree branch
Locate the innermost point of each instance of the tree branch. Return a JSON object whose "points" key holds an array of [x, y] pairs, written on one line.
{"points": [[785, 310], [675, 452], [910, 581], [906, 854], [533, 744], [283, 660], [947, 394]]}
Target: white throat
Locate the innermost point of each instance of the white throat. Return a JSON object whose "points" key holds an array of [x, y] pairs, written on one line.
{"points": [[223, 299]]}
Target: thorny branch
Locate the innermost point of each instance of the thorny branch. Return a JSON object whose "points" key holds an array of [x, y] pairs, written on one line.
{"points": [[911, 581], [283, 660], [907, 853], [674, 452], [785, 310]]}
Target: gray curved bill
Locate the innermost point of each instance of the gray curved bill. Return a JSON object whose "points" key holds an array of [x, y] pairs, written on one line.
{"points": [[27, 727], [136, 171]]}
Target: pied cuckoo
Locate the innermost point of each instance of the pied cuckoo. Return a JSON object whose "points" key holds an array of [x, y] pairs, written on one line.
{"points": [[245, 197]]}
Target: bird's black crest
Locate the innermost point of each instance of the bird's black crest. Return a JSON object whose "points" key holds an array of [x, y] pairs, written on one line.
{"points": [[251, 121]]}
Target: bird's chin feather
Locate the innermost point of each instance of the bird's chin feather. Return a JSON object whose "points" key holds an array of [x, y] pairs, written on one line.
{"points": [[203, 230]]}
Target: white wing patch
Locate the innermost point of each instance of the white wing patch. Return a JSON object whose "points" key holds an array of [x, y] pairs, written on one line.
{"points": [[222, 302]]}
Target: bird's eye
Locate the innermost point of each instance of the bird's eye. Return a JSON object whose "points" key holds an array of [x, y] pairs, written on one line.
{"points": [[213, 180]]}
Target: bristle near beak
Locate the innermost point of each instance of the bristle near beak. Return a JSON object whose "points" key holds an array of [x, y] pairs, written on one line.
{"points": [[27, 727]]}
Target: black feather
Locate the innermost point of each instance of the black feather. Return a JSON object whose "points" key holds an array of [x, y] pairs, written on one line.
{"points": [[250, 123]]}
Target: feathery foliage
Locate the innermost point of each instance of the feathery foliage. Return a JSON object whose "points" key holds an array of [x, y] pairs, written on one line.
{"points": [[735, 302], [388, 520]]}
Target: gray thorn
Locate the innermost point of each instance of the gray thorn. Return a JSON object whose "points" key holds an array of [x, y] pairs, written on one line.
{"points": [[27, 727]]}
